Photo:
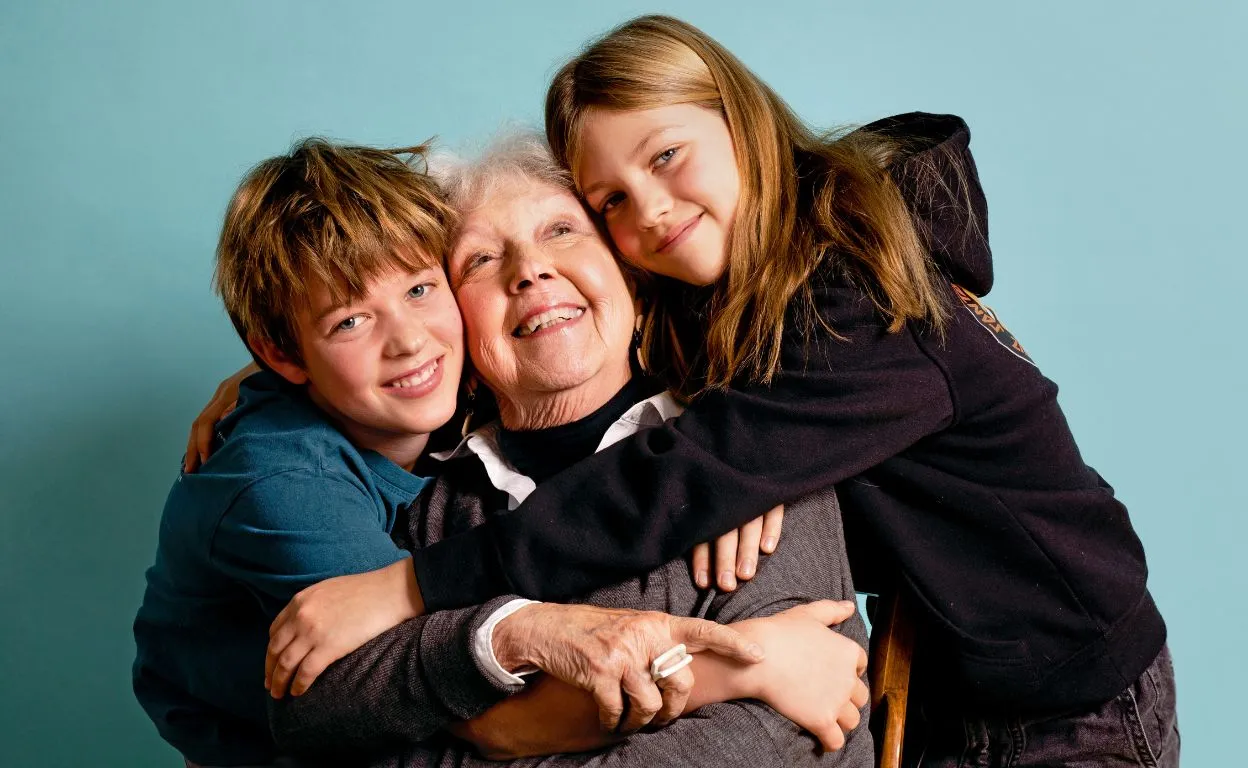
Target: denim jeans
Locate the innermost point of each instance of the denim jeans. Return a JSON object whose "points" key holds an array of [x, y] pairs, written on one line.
{"points": [[1136, 728]]}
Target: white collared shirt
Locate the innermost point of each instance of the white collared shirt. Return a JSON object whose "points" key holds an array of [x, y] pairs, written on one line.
{"points": [[483, 443]]}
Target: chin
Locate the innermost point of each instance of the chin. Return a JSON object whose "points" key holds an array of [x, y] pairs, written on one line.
{"points": [[561, 377]]}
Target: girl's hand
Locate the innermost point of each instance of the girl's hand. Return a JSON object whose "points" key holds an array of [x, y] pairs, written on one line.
{"points": [[812, 676], [328, 620], [199, 444], [608, 652], [736, 552]]}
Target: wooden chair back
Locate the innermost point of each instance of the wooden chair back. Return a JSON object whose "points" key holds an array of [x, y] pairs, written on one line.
{"points": [[892, 649]]}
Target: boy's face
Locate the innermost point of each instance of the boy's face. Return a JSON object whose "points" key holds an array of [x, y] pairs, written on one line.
{"points": [[386, 366]]}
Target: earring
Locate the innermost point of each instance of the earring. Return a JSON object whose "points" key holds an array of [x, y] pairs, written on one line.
{"points": [[472, 399]]}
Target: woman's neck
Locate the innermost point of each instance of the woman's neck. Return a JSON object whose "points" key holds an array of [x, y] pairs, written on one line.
{"points": [[542, 453], [543, 410]]}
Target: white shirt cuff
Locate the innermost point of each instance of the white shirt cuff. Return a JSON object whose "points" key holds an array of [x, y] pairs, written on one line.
{"points": [[483, 646]]}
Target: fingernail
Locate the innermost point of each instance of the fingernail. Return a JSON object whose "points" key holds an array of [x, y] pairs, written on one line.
{"points": [[848, 603], [727, 580], [747, 569], [756, 650], [769, 544], [701, 579]]}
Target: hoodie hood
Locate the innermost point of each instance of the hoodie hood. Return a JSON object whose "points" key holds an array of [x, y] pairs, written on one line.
{"points": [[937, 177]]}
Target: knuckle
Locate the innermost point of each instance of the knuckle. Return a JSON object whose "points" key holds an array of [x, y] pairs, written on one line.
{"points": [[680, 685], [648, 708]]}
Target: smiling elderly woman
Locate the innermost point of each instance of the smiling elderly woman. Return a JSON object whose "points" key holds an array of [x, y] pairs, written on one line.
{"points": [[549, 321]]}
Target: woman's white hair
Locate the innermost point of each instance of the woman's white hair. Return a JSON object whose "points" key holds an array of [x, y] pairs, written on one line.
{"points": [[517, 154]]}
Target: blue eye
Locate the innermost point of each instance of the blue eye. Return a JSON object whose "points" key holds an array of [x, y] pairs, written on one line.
{"points": [[665, 156], [419, 291], [349, 324], [560, 229]]}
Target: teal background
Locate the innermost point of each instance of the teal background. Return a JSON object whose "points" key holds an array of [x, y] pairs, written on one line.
{"points": [[1108, 137]]}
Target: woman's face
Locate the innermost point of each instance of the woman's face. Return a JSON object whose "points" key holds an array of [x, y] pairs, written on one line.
{"points": [[665, 182], [546, 310]]}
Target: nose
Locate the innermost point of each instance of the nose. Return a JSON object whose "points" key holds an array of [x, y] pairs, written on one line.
{"points": [[652, 204], [529, 267], [406, 337]]}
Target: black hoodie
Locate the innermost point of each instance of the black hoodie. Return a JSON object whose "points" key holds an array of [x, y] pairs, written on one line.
{"points": [[957, 471]]}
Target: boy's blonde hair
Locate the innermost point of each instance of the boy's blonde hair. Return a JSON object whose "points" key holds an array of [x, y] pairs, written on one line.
{"points": [[328, 213], [804, 196]]}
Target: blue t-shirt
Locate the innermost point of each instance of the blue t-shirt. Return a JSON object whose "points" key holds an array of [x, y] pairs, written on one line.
{"points": [[285, 501]]}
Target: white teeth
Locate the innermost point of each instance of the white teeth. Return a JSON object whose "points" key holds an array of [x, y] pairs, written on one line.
{"points": [[547, 319], [418, 378]]}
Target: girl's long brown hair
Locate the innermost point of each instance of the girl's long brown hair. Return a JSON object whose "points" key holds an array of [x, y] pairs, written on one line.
{"points": [[804, 197]]}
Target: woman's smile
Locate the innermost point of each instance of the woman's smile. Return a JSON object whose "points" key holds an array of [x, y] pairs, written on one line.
{"points": [[546, 320]]}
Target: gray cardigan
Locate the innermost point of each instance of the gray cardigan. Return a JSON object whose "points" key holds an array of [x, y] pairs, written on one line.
{"points": [[386, 702]]}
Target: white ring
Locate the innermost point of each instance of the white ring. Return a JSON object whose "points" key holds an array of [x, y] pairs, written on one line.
{"points": [[685, 661], [677, 654]]}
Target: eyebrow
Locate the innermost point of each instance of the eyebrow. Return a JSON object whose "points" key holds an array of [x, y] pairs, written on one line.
{"points": [[337, 307], [636, 151]]}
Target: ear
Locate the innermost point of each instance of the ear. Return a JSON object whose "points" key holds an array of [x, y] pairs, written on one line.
{"points": [[278, 360]]}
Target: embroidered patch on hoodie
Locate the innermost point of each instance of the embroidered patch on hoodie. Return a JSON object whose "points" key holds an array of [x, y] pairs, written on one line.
{"points": [[988, 319]]}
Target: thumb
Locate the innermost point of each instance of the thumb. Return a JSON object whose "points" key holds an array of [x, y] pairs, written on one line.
{"points": [[702, 635], [826, 612]]}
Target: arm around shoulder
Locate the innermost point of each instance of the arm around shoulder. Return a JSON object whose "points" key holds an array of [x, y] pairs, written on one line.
{"points": [[732, 455]]}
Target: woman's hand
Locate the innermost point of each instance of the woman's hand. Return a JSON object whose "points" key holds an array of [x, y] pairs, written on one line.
{"points": [[736, 552], [812, 675], [199, 444], [608, 652], [330, 619]]}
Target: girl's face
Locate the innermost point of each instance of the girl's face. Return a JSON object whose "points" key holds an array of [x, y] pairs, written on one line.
{"points": [[665, 182]]}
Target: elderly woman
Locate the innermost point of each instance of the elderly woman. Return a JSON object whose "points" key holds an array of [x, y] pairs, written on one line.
{"points": [[549, 320]]}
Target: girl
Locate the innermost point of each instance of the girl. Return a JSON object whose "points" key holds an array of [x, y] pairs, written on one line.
{"points": [[816, 299]]}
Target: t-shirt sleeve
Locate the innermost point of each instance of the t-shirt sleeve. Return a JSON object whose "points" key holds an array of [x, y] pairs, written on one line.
{"points": [[841, 405], [293, 529]]}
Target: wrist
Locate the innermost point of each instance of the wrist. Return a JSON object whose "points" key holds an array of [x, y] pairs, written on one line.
{"points": [[512, 638], [750, 680]]}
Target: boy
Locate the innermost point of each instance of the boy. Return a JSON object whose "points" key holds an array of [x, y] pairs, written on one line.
{"points": [[329, 267]]}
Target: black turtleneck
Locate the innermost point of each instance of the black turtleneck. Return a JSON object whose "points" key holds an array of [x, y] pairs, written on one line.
{"points": [[542, 453]]}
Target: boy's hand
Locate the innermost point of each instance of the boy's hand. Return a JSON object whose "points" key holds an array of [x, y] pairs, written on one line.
{"points": [[736, 552], [328, 620], [812, 675], [199, 444]]}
